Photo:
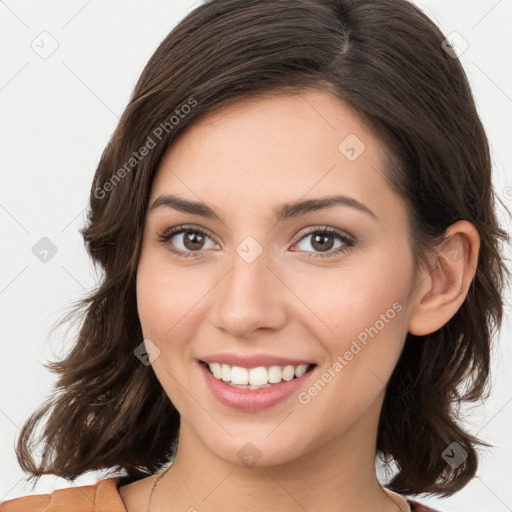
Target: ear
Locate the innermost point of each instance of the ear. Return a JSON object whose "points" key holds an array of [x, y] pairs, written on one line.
{"points": [[443, 288]]}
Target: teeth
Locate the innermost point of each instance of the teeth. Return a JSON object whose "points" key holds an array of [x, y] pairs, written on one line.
{"points": [[257, 376], [274, 374], [239, 375], [253, 378]]}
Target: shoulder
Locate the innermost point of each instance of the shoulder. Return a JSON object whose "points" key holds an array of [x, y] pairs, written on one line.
{"points": [[103, 495]]}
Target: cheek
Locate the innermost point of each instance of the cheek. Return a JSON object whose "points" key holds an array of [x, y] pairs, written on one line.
{"points": [[364, 315], [168, 311], [165, 296], [360, 361], [342, 303]]}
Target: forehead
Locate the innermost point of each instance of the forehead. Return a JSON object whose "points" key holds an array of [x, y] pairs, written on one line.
{"points": [[269, 149]]}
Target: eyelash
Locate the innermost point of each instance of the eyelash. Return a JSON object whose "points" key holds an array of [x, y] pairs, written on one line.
{"points": [[166, 236]]}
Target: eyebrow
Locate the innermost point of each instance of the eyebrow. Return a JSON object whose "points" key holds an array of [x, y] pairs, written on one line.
{"points": [[282, 212]]}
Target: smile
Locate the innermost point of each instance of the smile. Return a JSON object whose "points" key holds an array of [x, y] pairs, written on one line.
{"points": [[256, 378], [257, 388]]}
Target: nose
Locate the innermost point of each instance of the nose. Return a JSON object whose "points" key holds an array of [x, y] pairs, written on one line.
{"points": [[250, 297]]}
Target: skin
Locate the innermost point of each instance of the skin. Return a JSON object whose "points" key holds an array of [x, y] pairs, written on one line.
{"points": [[243, 161]]}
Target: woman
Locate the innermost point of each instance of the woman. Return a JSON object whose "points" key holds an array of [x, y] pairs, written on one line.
{"points": [[302, 271]]}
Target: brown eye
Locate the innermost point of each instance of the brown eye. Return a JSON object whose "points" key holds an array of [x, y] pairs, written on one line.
{"points": [[184, 241], [193, 241], [322, 241]]}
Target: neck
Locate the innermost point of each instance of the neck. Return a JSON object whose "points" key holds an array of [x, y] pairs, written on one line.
{"points": [[337, 476]]}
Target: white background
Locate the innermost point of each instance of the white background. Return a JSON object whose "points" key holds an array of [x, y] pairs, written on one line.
{"points": [[56, 116]]}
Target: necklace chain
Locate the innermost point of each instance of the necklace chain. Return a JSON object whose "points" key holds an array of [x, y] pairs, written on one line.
{"points": [[167, 469], [154, 487]]}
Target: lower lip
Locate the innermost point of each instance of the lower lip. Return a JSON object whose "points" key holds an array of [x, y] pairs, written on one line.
{"points": [[252, 399]]}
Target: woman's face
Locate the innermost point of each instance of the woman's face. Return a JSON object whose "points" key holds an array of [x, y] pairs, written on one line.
{"points": [[263, 278]]}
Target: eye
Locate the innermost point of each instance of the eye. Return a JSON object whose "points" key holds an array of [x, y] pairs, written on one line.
{"points": [[184, 241], [325, 239], [188, 239]]}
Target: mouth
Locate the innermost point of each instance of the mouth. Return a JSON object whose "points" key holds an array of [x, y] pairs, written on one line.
{"points": [[259, 377]]}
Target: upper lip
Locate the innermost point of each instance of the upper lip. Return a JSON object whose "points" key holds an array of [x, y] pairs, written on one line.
{"points": [[253, 360]]}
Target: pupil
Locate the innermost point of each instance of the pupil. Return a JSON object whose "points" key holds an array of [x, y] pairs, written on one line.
{"points": [[193, 240], [322, 246]]}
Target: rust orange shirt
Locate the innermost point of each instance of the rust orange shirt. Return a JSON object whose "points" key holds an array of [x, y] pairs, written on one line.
{"points": [[103, 496]]}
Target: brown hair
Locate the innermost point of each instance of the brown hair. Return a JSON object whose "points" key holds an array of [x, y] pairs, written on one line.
{"points": [[383, 58]]}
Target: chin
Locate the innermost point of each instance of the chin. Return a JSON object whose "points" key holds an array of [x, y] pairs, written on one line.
{"points": [[258, 450]]}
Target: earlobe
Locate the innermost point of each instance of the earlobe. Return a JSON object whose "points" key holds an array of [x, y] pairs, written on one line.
{"points": [[443, 288]]}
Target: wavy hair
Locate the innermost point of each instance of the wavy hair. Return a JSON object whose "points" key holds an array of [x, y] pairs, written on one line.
{"points": [[385, 59]]}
